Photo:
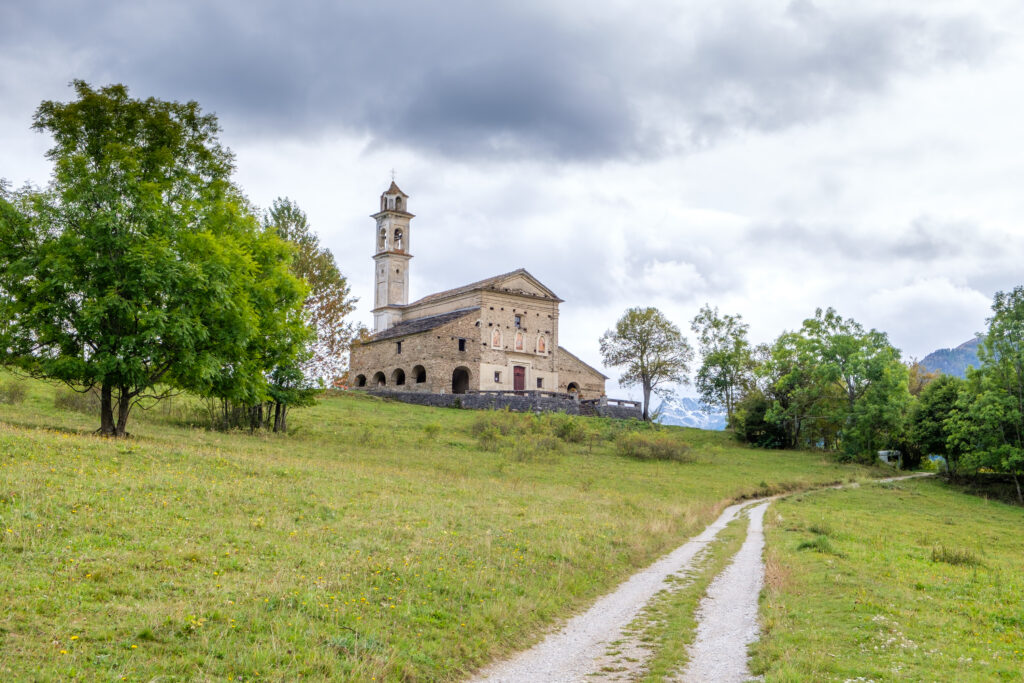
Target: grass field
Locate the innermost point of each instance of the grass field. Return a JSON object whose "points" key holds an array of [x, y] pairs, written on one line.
{"points": [[378, 541], [903, 581]]}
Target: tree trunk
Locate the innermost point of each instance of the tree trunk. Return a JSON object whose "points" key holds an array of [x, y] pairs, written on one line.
{"points": [[280, 417], [1016, 480], [255, 417], [106, 411], [647, 402], [124, 404]]}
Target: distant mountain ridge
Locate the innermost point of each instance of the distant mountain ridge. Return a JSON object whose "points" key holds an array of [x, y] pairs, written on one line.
{"points": [[954, 361], [684, 411]]}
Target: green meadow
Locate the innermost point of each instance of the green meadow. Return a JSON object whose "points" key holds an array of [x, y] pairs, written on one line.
{"points": [[908, 580], [376, 541]]}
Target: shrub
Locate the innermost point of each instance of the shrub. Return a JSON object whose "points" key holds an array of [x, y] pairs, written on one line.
{"points": [[87, 402], [12, 392], [532, 447], [431, 430], [567, 428], [954, 556], [652, 446], [490, 438], [820, 544], [502, 421]]}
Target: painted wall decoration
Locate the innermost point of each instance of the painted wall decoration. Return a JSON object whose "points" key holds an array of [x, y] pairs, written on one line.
{"points": [[496, 339], [519, 341], [542, 344]]}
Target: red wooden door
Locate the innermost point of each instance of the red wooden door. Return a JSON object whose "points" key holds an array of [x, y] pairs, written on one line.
{"points": [[518, 378]]}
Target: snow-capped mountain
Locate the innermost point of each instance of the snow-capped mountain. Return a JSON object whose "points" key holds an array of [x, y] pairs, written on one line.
{"points": [[689, 412]]}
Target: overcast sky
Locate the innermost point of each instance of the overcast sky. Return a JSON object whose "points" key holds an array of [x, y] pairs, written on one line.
{"points": [[765, 157]]}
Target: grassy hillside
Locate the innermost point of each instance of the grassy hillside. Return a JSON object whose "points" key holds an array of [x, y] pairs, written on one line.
{"points": [[379, 541], [901, 581]]}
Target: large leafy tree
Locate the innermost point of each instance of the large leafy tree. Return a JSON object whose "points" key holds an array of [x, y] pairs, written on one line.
{"points": [[329, 300], [928, 420], [653, 351], [134, 267], [866, 370], [835, 385], [727, 360], [988, 427]]}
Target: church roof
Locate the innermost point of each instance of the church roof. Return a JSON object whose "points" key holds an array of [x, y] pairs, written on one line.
{"points": [[487, 283], [562, 349], [395, 190], [425, 324]]}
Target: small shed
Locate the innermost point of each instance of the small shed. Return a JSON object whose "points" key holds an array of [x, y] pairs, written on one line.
{"points": [[891, 458]]}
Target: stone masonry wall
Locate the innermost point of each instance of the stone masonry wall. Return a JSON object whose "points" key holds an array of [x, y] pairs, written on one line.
{"points": [[591, 384], [437, 351], [519, 404]]}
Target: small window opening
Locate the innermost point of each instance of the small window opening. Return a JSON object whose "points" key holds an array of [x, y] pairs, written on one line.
{"points": [[540, 382], [519, 321], [462, 345], [497, 378], [398, 347]]}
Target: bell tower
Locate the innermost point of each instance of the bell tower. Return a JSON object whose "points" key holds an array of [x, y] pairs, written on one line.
{"points": [[391, 258]]}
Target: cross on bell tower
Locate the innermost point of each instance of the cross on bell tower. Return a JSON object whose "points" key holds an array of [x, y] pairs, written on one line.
{"points": [[391, 258]]}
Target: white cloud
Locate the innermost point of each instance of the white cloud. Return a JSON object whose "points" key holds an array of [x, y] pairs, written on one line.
{"points": [[823, 173]]}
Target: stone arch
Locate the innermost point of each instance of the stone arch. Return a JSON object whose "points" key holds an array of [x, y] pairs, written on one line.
{"points": [[382, 240], [399, 240], [460, 380], [360, 380], [378, 380], [398, 377], [573, 389], [419, 374], [398, 203]]}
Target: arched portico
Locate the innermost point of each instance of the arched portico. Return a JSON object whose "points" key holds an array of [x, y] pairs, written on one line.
{"points": [[460, 380]]}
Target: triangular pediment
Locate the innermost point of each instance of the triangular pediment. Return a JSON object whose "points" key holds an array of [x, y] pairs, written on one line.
{"points": [[521, 282]]}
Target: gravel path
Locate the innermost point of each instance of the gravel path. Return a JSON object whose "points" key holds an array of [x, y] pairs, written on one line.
{"points": [[574, 653], [727, 616]]}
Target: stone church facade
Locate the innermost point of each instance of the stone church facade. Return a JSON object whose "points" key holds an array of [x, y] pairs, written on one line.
{"points": [[498, 334]]}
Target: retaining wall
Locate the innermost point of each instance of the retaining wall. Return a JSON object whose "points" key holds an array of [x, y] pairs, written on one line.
{"points": [[519, 404]]}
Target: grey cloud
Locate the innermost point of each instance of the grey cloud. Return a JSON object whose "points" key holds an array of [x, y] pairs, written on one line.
{"points": [[924, 240], [485, 80]]}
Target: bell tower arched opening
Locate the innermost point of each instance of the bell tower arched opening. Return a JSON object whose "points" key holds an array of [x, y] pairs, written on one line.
{"points": [[391, 259]]}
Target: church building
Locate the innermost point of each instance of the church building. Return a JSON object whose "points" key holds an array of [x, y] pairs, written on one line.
{"points": [[498, 334]]}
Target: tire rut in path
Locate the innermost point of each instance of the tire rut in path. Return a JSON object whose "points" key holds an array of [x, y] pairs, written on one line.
{"points": [[575, 651], [727, 617]]}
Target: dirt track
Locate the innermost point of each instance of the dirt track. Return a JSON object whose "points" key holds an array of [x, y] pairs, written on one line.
{"points": [[727, 616]]}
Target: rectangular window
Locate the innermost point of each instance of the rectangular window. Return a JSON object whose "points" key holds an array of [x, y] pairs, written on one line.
{"points": [[540, 382], [462, 345], [398, 347], [497, 378], [519, 321]]}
